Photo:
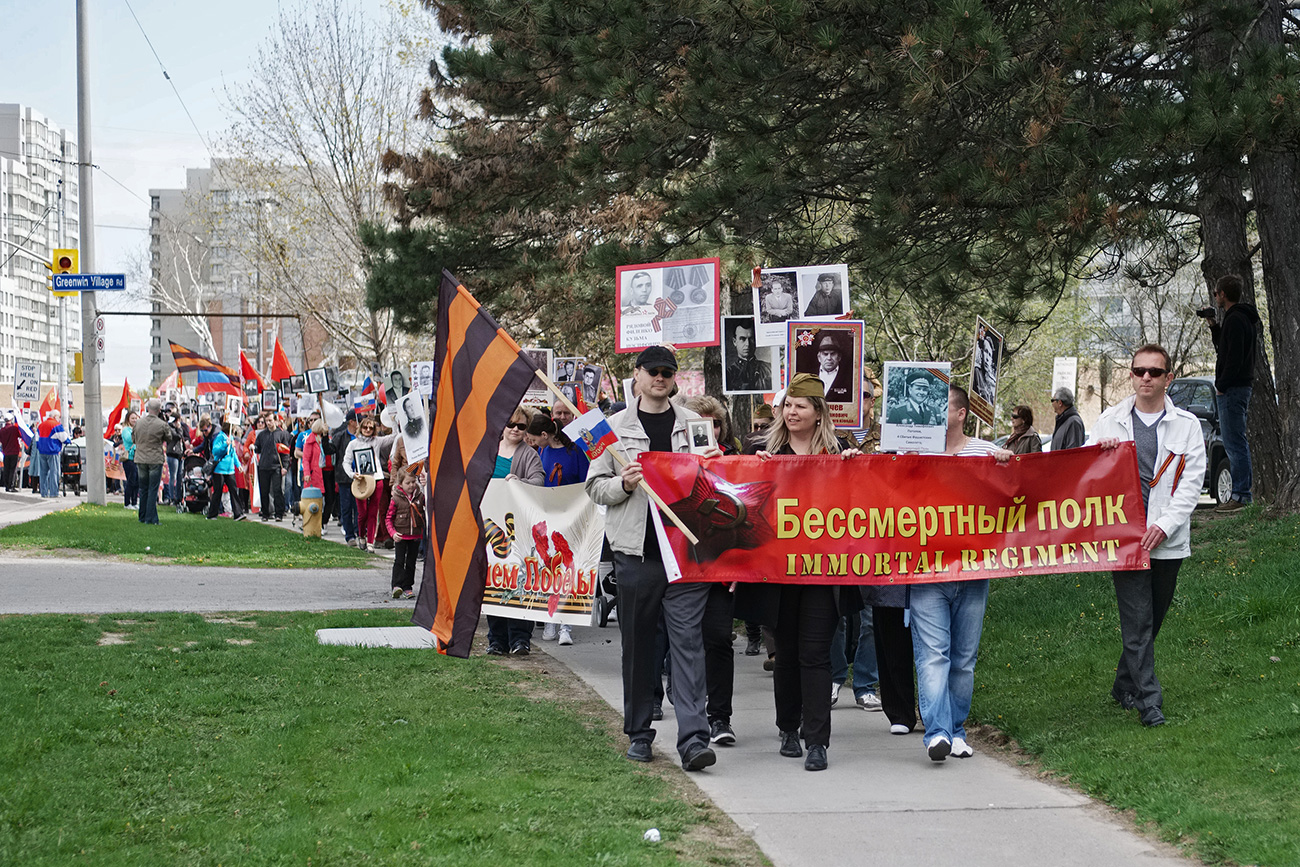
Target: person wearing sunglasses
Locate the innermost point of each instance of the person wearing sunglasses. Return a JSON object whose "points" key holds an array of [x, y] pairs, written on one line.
{"points": [[1069, 432], [1024, 437], [652, 423], [516, 459], [1171, 464]]}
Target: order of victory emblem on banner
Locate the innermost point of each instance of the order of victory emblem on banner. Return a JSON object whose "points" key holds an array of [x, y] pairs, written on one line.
{"points": [[543, 552]]}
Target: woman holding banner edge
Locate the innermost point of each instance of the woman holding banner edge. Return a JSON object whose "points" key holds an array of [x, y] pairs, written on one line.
{"points": [[805, 615]]}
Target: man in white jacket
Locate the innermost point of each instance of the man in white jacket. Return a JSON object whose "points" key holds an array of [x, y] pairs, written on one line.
{"points": [[1171, 466]]}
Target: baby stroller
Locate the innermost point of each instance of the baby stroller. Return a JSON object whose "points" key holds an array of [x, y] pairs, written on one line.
{"points": [[71, 468], [194, 486], [606, 601]]}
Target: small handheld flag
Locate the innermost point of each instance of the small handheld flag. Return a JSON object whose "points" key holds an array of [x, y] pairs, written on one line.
{"points": [[591, 433]]}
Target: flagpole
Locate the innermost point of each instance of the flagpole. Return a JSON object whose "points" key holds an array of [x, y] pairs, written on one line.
{"points": [[659, 501]]}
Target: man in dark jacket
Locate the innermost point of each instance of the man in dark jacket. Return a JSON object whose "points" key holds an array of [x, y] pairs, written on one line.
{"points": [[1069, 432], [11, 446], [339, 439], [270, 469], [1235, 339]]}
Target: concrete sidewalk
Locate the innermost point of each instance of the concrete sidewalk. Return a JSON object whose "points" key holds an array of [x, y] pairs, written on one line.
{"points": [[881, 800]]}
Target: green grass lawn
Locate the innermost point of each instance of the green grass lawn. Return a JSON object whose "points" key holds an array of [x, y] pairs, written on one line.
{"points": [[198, 741], [1223, 776], [183, 539]]}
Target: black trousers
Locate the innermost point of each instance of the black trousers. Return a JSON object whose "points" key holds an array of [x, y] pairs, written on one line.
{"points": [[11, 464], [509, 632], [268, 482], [214, 496], [643, 594], [331, 496], [719, 655], [1144, 598], [801, 679], [896, 666], [404, 551]]}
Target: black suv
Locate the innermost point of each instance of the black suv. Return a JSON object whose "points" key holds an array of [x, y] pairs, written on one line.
{"points": [[1196, 395]]}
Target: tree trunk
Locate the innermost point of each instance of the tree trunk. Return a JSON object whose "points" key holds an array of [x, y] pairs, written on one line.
{"points": [[1275, 182], [1222, 209]]}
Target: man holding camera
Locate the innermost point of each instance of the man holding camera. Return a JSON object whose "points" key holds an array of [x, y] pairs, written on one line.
{"points": [[1235, 339]]}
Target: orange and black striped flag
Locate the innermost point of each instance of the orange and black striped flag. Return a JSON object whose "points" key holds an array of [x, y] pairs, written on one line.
{"points": [[211, 376], [480, 376]]}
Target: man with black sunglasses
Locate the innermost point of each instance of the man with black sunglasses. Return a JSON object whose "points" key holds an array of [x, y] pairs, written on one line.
{"points": [[1171, 465], [652, 423]]}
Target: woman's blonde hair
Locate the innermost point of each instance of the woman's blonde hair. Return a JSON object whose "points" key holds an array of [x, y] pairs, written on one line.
{"points": [[824, 441]]}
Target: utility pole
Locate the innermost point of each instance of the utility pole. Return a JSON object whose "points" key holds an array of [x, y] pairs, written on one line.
{"points": [[93, 462], [63, 324]]}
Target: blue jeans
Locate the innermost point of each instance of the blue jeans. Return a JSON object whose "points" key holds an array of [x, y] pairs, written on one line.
{"points": [[347, 507], [865, 676], [150, 477], [1233, 405], [173, 487], [50, 471], [947, 619]]}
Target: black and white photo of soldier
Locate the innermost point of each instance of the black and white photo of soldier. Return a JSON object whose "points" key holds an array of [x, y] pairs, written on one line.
{"points": [[745, 369], [914, 403], [570, 391], [984, 362], [365, 461], [776, 299], [826, 299], [591, 375], [637, 289]]}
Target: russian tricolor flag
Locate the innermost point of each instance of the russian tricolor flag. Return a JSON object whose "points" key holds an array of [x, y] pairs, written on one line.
{"points": [[591, 433], [366, 401]]}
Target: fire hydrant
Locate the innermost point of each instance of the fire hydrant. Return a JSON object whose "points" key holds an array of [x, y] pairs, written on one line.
{"points": [[311, 504]]}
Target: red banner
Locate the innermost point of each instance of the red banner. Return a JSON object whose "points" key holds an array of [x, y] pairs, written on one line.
{"points": [[902, 519]]}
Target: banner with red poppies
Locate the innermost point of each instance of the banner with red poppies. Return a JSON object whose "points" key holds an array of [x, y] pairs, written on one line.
{"points": [[901, 519], [543, 552]]}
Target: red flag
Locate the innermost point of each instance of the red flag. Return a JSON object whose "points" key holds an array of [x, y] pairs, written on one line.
{"points": [[51, 402], [119, 412], [173, 380], [250, 372], [280, 366], [482, 375]]}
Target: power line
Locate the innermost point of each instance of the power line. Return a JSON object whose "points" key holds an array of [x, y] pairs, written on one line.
{"points": [[23, 246], [184, 107]]}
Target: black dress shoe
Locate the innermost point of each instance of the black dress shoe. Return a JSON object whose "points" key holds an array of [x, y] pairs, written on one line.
{"points": [[640, 751], [816, 760], [496, 650], [754, 647], [1127, 700], [520, 649], [1152, 717], [790, 745], [698, 757], [657, 713]]}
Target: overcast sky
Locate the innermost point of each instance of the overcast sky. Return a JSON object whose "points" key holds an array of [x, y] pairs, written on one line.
{"points": [[141, 137]]}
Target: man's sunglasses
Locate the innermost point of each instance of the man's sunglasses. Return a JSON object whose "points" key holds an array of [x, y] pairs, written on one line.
{"points": [[662, 372], [1156, 372], [517, 426]]}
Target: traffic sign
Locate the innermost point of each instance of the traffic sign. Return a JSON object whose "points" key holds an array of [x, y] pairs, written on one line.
{"points": [[27, 380], [99, 324], [89, 282], [99, 347]]}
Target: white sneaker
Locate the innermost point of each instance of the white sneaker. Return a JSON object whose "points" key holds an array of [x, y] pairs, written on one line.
{"points": [[899, 729], [566, 635], [550, 631], [869, 701], [961, 749], [939, 747], [835, 693]]}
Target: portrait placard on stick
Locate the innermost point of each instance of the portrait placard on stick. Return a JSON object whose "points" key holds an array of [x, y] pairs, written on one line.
{"points": [[985, 360], [543, 360], [832, 352], [815, 292], [667, 302], [747, 368]]}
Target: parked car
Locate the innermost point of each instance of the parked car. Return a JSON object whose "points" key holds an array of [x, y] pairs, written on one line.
{"points": [[1196, 395]]}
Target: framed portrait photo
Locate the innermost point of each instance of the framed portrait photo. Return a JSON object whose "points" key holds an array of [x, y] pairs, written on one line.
{"points": [[317, 382], [543, 360], [832, 352], [270, 400], [568, 368], [667, 302], [986, 357], [364, 462], [298, 382], [422, 378], [814, 292], [700, 432], [747, 368]]}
